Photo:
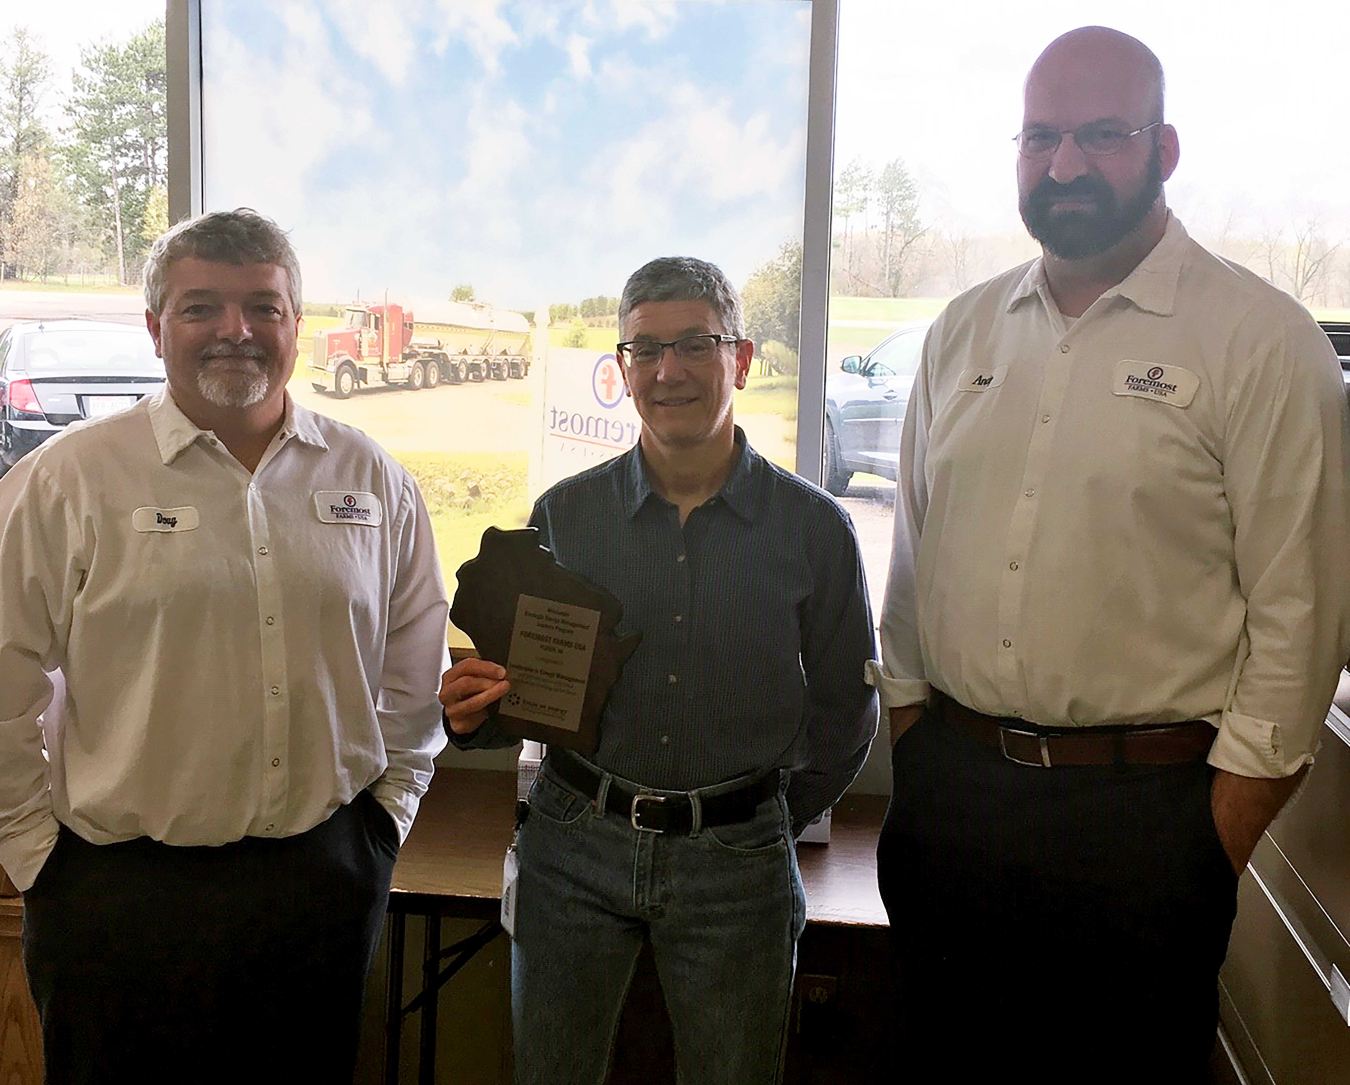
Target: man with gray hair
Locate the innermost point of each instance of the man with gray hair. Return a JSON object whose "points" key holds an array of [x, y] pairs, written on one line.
{"points": [[741, 716], [244, 605]]}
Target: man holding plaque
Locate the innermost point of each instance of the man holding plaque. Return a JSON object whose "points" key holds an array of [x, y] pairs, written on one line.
{"points": [[742, 714], [245, 607]]}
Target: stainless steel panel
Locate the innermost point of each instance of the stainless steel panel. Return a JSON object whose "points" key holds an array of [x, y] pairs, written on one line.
{"points": [[1278, 1001], [1313, 832]]}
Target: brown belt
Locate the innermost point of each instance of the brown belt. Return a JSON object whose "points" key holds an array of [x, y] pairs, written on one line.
{"points": [[1027, 744]]}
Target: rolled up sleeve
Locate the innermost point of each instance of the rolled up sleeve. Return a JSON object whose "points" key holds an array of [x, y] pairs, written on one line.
{"points": [[1286, 476]]}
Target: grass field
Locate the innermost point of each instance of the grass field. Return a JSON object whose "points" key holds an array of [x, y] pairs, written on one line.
{"points": [[768, 395], [66, 284], [467, 492]]}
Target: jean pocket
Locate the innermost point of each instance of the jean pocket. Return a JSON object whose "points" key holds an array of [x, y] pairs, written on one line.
{"points": [[1209, 831], [763, 834], [554, 802]]}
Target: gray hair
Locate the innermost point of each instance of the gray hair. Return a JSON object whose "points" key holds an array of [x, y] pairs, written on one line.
{"points": [[683, 278], [238, 237]]}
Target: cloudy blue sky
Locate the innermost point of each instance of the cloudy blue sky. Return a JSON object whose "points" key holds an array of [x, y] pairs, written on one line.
{"points": [[539, 149]]}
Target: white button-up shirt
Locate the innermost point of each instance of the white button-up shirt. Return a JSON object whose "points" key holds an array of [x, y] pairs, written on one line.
{"points": [[1140, 516], [241, 654]]}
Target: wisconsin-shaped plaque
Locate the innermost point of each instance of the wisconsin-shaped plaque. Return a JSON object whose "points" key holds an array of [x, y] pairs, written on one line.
{"points": [[552, 629]]}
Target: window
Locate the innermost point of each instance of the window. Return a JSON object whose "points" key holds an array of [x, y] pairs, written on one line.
{"points": [[493, 173]]}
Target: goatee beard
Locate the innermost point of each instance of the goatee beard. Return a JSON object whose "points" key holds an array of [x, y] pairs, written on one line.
{"points": [[1077, 235], [231, 387]]}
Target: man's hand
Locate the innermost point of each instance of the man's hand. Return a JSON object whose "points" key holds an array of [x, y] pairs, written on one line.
{"points": [[903, 718], [1243, 806], [467, 689]]}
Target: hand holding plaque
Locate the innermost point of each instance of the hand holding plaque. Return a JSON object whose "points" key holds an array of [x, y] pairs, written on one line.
{"points": [[553, 631]]}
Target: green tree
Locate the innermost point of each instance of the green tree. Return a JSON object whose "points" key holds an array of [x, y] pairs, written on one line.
{"points": [[462, 292], [576, 334], [25, 72], [773, 299], [156, 219], [119, 136], [852, 193], [43, 234], [898, 201]]}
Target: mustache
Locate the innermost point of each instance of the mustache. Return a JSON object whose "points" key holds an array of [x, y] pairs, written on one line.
{"points": [[1049, 190], [235, 350]]}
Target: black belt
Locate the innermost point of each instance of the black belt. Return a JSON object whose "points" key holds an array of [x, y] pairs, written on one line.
{"points": [[664, 812]]}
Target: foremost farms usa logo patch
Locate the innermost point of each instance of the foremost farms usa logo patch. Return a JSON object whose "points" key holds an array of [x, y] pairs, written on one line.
{"points": [[1170, 384], [348, 507]]}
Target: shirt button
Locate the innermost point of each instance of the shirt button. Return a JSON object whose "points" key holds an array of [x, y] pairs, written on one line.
{"points": [[276, 690], [271, 620], [680, 557], [1013, 566], [671, 679], [1007, 644], [263, 551], [1045, 418], [269, 828], [665, 740], [253, 486], [1030, 493], [1064, 348], [679, 618], [276, 761]]}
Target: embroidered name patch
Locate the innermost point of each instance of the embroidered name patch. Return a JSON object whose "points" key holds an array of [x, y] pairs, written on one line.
{"points": [[348, 507], [1169, 383], [152, 519], [981, 380]]}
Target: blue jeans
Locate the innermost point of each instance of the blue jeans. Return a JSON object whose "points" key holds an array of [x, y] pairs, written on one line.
{"points": [[722, 906]]}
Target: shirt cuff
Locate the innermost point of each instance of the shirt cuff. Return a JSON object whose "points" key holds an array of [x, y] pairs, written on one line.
{"points": [[399, 802], [1247, 746], [23, 854], [895, 692]]}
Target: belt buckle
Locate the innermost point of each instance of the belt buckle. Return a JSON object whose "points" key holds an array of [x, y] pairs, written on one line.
{"points": [[1042, 740], [634, 813]]}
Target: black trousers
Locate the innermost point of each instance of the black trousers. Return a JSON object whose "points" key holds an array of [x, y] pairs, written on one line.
{"points": [[244, 962], [1056, 925]]}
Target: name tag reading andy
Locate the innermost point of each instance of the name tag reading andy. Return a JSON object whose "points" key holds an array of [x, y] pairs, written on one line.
{"points": [[1167, 383], [348, 507], [153, 519], [981, 380]]}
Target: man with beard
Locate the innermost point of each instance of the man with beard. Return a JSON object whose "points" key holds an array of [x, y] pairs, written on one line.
{"points": [[1116, 612], [244, 603]]}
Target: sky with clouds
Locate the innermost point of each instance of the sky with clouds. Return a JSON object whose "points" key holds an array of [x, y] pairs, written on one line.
{"points": [[540, 149]]}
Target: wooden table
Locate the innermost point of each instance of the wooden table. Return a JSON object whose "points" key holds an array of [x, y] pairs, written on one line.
{"points": [[451, 866]]}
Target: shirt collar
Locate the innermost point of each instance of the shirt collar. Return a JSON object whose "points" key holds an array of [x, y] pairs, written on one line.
{"points": [[1152, 286], [174, 431], [737, 491]]}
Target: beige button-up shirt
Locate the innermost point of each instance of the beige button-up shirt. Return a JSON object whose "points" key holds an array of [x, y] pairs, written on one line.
{"points": [[1140, 516], [241, 654]]}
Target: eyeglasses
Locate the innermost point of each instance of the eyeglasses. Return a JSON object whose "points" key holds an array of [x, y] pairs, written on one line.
{"points": [[691, 350], [1095, 138]]}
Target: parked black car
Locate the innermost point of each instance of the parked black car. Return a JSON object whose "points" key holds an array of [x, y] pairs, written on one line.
{"points": [[54, 372], [864, 406]]}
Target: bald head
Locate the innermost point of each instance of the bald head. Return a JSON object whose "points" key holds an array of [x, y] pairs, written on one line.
{"points": [[1100, 69]]}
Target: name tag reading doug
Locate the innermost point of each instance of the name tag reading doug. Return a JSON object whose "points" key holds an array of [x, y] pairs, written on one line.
{"points": [[348, 507], [549, 662]]}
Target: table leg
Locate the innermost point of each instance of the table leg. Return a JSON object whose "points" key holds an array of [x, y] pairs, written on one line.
{"points": [[431, 964], [393, 1014]]}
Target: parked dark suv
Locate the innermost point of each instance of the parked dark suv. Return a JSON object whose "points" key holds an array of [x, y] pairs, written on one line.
{"points": [[54, 372], [865, 405]]}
